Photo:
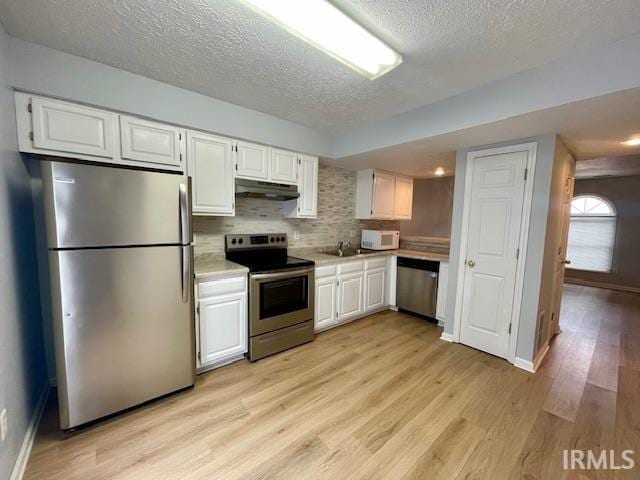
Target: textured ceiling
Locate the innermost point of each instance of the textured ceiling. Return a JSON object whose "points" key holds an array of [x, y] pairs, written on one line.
{"points": [[592, 128], [222, 49]]}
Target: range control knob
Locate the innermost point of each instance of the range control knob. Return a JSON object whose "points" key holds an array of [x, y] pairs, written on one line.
{"points": [[233, 242], [271, 239], [240, 241], [282, 239]]}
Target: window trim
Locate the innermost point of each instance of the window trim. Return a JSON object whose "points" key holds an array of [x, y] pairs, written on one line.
{"points": [[613, 215]]}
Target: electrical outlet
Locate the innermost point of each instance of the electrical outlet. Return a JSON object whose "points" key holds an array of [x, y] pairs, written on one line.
{"points": [[296, 235], [3, 423], [352, 233]]}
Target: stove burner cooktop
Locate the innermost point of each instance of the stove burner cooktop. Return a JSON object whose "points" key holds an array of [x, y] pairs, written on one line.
{"points": [[262, 252]]}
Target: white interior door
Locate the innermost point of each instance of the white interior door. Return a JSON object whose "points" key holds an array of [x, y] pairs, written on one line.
{"points": [[493, 236], [561, 258]]}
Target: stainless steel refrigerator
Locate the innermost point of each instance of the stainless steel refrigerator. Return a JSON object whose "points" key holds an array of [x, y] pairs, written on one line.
{"points": [[120, 267]]}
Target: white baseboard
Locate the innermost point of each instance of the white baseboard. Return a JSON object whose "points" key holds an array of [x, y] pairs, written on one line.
{"points": [[608, 286], [440, 322], [447, 337], [30, 436], [529, 366]]}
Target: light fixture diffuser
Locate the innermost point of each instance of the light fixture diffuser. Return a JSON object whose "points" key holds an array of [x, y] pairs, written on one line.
{"points": [[439, 171], [325, 27], [632, 142]]}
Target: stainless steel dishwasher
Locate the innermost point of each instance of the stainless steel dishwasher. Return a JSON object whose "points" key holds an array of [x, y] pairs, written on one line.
{"points": [[417, 286]]}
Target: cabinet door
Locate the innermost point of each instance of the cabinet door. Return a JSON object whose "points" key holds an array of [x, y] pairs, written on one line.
{"points": [[374, 286], [284, 166], [223, 327], [403, 204], [441, 298], [308, 186], [66, 127], [210, 164], [150, 142], [325, 299], [384, 185], [253, 161], [350, 288]]}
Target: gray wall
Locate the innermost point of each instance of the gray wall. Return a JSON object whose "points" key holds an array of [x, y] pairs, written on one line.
{"points": [[624, 193], [22, 364], [43, 70], [528, 328], [432, 208], [564, 166]]}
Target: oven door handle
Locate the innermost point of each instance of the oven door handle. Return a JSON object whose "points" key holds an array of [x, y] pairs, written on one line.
{"points": [[284, 274]]}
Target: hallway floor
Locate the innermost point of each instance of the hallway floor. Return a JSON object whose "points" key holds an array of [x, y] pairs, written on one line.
{"points": [[382, 397]]}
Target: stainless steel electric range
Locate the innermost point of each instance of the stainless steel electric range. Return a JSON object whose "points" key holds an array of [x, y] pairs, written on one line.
{"points": [[281, 291]]}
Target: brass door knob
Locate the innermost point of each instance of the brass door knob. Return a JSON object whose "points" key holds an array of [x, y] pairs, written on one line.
{"points": [[566, 262], [471, 263]]}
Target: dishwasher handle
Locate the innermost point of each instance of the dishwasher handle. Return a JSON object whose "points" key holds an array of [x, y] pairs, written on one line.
{"points": [[417, 264]]}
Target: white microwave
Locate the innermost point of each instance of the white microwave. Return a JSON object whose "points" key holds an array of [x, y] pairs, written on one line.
{"points": [[380, 239]]}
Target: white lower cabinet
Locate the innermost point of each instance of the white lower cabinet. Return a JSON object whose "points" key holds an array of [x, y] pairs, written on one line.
{"points": [[325, 300], [374, 289], [346, 291], [441, 298], [350, 290], [222, 321]]}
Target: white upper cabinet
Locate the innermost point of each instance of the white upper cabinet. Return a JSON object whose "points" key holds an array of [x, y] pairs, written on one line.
{"points": [[69, 128], [305, 206], [403, 204], [252, 161], [210, 164], [284, 166], [383, 195], [150, 142], [376, 195]]}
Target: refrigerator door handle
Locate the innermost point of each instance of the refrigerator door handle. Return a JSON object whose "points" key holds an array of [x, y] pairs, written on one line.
{"points": [[184, 215], [186, 271]]}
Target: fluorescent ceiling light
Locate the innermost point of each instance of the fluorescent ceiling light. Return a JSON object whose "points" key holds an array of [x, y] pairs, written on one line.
{"points": [[325, 27], [439, 171], [632, 142]]}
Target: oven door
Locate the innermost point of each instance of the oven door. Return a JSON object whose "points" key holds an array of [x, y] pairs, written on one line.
{"points": [[280, 299]]}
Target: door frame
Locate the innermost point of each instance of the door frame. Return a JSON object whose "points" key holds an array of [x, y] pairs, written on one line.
{"points": [[531, 149]]}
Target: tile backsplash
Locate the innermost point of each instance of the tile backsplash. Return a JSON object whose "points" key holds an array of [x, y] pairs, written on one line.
{"points": [[336, 218]]}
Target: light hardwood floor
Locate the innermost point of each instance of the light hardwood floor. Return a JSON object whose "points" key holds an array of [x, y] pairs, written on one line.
{"points": [[382, 397]]}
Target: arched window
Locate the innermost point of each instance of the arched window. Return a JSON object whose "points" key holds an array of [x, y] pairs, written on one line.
{"points": [[592, 233]]}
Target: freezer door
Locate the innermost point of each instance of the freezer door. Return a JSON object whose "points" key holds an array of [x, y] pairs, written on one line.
{"points": [[123, 327], [95, 206]]}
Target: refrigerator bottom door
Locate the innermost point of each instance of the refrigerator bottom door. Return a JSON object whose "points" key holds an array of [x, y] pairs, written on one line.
{"points": [[124, 332]]}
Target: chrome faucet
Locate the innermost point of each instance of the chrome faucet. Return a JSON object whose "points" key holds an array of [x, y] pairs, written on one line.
{"points": [[340, 245]]}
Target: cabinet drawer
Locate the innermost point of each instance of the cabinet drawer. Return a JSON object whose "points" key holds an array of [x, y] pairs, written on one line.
{"points": [[326, 271], [379, 262], [351, 267], [222, 286]]}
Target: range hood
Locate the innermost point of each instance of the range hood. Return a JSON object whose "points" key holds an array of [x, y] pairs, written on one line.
{"points": [[270, 191]]}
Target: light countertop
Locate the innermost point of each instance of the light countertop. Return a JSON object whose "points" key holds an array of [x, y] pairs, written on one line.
{"points": [[208, 267], [325, 258]]}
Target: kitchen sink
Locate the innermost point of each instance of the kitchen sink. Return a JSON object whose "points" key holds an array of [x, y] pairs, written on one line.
{"points": [[348, 253]]}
